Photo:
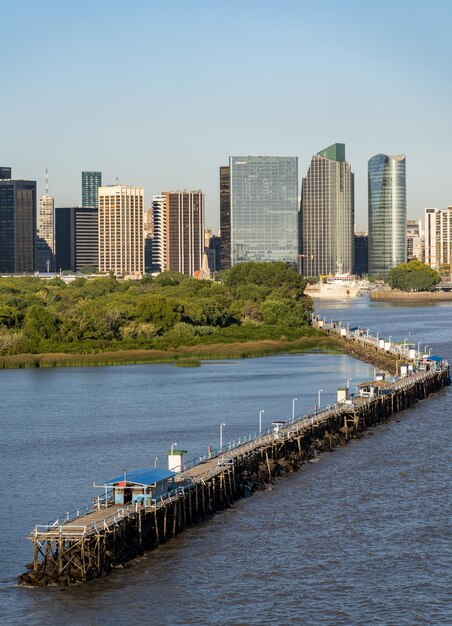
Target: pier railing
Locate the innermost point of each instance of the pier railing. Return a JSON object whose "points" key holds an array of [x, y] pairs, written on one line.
{"points": [[230, 452]]}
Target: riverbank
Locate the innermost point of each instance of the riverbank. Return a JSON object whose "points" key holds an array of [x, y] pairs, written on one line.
{"points": [[394, 295], [186, 355]]}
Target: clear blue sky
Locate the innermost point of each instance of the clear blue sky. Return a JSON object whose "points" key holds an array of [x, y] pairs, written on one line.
{"points": [[161, 92]]}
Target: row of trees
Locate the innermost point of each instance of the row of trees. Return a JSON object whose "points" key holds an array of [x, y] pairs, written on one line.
{"points": [[250, 300]]}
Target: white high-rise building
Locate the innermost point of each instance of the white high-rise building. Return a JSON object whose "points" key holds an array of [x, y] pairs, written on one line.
{"points": [[159, 244], [46, 221], [46, 218], [121, 237], [438, 237], [327, 214]]}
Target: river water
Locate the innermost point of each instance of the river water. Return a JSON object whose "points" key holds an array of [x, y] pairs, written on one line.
{"points": [[361, 537]]}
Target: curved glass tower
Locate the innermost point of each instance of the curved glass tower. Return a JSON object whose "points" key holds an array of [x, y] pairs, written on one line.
{"points": [[387, 212]]}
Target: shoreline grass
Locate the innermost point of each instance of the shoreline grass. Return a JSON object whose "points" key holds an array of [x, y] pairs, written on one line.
{"points": [[185, 356]]}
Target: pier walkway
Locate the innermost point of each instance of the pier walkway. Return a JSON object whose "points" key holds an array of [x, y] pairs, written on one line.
{"points": [[87, 542]]}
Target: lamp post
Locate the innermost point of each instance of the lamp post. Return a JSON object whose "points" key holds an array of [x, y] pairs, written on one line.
{"points": [[221, 435], [293, 408], [348, 383], [425, 348], [318, 398], [418, 347], [155, 461], [172, 447], [260, 420]]}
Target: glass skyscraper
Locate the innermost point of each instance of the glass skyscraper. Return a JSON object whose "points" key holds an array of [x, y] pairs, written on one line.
{"points": [[17, 226], [91, 181], [327, 214], [263, 209], [387, 212]]}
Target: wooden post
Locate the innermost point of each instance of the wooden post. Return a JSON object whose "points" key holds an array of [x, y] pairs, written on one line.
{"points": [[175, 518], [156, 522], [268, 467], [165, 514], [35, 553], [60, 554]]}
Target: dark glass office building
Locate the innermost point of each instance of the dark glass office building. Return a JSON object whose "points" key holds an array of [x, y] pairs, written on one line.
{"points": [[5, 173], [76, 238], [225, 218], [17, 226], [91, 181], [361, 254]]}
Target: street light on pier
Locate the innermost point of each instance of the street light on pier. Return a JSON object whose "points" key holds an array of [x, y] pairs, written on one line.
{"points": [[260, 420], [348, 382], [293, 408], [318, 398], [172, 447], [221, 434], [155, 461]]}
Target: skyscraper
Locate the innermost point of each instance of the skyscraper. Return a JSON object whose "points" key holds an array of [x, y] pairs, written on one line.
{"points": [[438, 238], [263, 194], [225, 218], [46, 228], [184, 231], [91, 181], [387, 212], [5, 173], [159, 244], [76, 238], [327, 214], [17, 226], [414, 240], [121, 240]]}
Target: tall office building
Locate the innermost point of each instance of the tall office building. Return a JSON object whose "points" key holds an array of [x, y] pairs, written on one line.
{"points": [[91, 181], [212, 249], [361, 267], [46, 229], [76, 238], [438, 237], [5, 173], [414, 240], [387, 212], [327, 214], [225, 218], [17, 226], [259, 210], [178, 242], [184, 231], [159, 244], [121, 241]]}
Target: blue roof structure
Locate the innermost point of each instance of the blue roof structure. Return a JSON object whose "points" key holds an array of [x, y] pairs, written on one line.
{"points": [[437, 359], [142, 476]]}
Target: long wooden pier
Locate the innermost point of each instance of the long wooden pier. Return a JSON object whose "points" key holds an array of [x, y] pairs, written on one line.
{"points": [[90, 542]]}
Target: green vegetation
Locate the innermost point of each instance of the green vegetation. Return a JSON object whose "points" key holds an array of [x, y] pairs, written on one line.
{"points": [[102, 320], [413, 276]]}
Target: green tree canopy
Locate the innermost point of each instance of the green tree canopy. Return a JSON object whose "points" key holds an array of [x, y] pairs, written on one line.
{"points": [[413, 276]]}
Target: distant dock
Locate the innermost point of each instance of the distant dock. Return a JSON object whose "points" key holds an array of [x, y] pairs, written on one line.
{"points": [[140, 510]]}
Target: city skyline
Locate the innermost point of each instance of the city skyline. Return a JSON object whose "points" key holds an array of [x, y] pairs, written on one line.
{"points": [[386, 102]]}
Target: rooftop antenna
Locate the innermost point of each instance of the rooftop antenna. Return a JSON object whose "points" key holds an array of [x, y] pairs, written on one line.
{"points": [[117, 180], [47, 182]]}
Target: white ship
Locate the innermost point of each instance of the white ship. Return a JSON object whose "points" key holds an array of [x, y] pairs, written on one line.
{"points": [[338, 287]]}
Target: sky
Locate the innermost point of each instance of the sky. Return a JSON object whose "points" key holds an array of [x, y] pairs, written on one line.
{"points": [[160, 93]]}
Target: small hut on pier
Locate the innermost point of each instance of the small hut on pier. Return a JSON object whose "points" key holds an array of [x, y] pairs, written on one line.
{"points": [[142, 485]]}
